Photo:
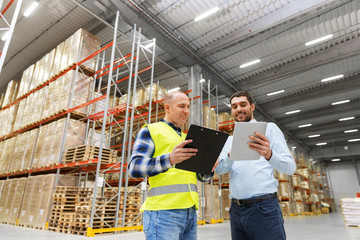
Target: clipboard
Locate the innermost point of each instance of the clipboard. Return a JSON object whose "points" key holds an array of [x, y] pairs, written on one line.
{"points": [[240, 149], [209, 143]]}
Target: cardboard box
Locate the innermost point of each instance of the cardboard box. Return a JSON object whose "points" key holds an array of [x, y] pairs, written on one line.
{"points": [[25, 82], [6, 154], [226, 203], [11, 93]]}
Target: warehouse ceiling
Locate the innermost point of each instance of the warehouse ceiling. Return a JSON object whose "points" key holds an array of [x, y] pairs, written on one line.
{"points": [[240, 31]]}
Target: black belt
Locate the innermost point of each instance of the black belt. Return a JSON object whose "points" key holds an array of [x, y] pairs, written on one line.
{"points": [[254, 200]]}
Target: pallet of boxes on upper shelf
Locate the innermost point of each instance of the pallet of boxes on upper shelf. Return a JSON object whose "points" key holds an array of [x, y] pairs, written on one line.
{"points": [[284, 193]]}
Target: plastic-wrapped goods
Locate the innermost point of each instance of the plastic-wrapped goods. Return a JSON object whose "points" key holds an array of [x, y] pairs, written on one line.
{"points": [[1, 185], [19, 115], [11, 93], [64, 63], [351, 211], [59, 95], [212, 202], [47, 151], [209, 117], [314, 198], [301, 161], [57, 59], [139, 97], [298, 196], [226, 203], [285, 208], [25, 82], [296, 180], [3, 200], [304, 172], [15, 199], [157, 93], [38, 196], [38, 74], [305, 185], [299, 207], [284, 189], [280, 176], [1, 99], [99, 105], [8, 117], [6, 154], [78, 51]]}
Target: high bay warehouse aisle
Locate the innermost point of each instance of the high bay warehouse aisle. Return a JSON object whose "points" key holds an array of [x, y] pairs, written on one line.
{"points": [[322, 227]]}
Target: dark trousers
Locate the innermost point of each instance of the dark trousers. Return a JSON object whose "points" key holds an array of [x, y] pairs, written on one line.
{"points": [[257, 221]]}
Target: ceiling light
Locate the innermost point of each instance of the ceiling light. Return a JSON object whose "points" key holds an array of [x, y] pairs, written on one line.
{"points": [[354, 140], [293, 148], [332, 78], [292, 112], [202, 80], [321, 144], [314, 162], [277, 92], [206, 14], [351, 131], [174, 89], [346, 119], [32, 7], [249, 63], [319, 40], [314, 136], [335, 159], [305, 125], [340, 102], [5, 36]]}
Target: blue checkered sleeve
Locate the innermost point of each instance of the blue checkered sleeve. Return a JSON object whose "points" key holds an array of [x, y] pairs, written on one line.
{"points": [[142, 164]]}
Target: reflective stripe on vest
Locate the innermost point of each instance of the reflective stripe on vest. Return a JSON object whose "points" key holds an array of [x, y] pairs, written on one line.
{"points": [[155, 191]]}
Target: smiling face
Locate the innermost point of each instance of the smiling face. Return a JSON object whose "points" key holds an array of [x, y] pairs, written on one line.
{"points": [[241, 109], [177, 109]]}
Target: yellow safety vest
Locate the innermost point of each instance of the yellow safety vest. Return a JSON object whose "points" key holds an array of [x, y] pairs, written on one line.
{"points": [[175, 188]]}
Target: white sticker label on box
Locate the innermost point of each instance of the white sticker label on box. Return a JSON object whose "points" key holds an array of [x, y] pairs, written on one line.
{"points": [[220, 193], [41, 212], [22, 213], [31, 218], [227, 209]]}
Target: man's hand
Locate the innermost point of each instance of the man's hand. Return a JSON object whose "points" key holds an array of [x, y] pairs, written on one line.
{"points": [[179, 153], [261, 144], [215, 165]]}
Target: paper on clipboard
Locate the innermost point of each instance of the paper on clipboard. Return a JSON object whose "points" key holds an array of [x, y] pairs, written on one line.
{"points": [[240, 149], [209, 143]]}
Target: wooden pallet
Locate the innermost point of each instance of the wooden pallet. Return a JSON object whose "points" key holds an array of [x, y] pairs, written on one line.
{"points": [[88, 152]]}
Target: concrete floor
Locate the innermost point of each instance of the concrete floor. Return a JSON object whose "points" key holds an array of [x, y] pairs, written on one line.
{"points": [[322, 227]]}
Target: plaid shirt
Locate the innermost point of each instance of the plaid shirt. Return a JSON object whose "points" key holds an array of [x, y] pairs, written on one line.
{"points": [[142, 164]]}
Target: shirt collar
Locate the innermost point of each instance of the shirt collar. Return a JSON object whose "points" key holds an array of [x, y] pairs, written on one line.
{"points": [[177, 129]]}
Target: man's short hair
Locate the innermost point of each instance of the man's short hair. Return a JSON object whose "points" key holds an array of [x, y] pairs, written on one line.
{"points": [[170, 97], [242, 93]]}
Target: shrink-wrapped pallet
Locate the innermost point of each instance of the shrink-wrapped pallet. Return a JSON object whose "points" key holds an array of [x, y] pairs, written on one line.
{"points": [[48, 146], [25, 82], [224, 119], [6, 154], [285, 208], [212, 203], [305, 185], [3, 200], [351, 211], [139, 97], [50, 57], [59, 96], [2, 99], [99, 105], [209, 117], [296, 180], [157, 93], [20, 114], [83, 45], [301, 161], [304, 172], [298, 196], [299, 207], [226, 203], [11, 93], [284, 190], [64, 63], [15, 199], [281, 176], [57, 59], [34, 107], [8, 117], [37, 78]]}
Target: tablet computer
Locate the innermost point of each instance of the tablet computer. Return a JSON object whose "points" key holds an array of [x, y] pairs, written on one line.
{"points": [[209, 143], [240, 149]]}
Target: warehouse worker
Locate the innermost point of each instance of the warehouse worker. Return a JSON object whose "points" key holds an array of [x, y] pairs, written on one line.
{"points": [[255, 212], [172, 200]]}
